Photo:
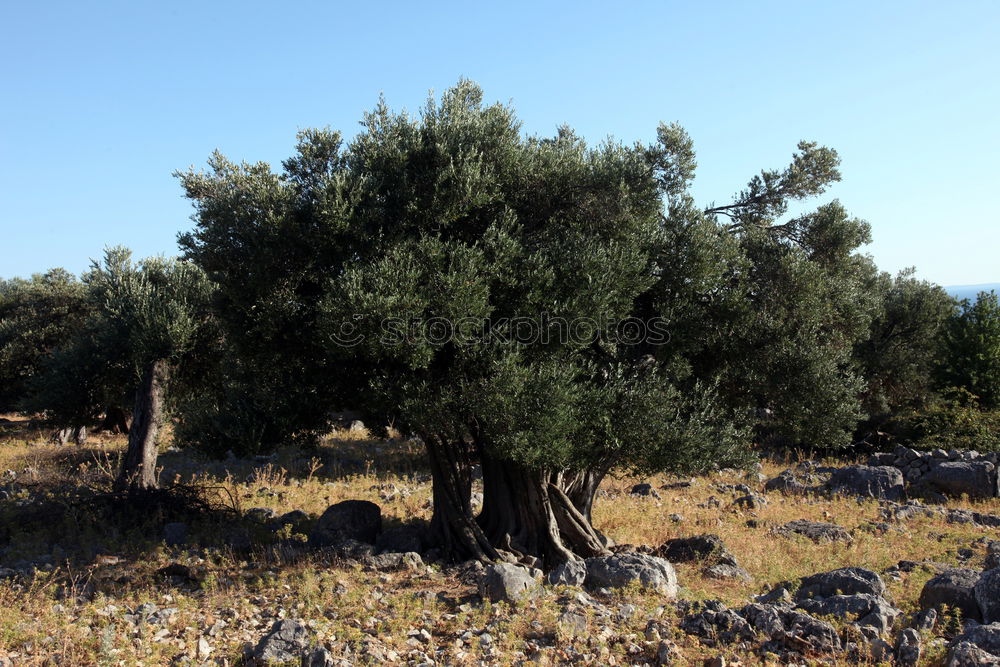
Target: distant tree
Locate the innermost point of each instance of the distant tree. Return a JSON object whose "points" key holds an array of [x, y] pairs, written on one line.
{"points": [[36, 316], [898, 356], [971, 351]]}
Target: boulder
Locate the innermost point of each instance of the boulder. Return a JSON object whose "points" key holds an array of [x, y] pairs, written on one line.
{"points": [[644, 490], [787, 482], [817, 531], [505, 582], [802, 630], [619, 570], [955, 589], [286, 642], [348, 520], [862, 609], [977, 645], [885, 482], [992, 555], [908, 648], [967, 654], [394, 562], [706, 547], [977, 479], [843, 581], [987, 591], [570, 573]]}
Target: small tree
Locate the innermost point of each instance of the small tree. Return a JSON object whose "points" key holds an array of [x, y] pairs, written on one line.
{"points": [[153, 310], [971, 350]]}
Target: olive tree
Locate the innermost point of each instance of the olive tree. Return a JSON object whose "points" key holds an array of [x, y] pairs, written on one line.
{"points": [[550, 310], [153, 311]]}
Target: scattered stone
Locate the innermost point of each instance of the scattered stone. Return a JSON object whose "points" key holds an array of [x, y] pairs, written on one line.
{"points": [[509, 583], [751, 502], [817, 531], [395, 562], [955, 589], [868, 481], [359, 520], [286, 642], [619, 570], [570, 573]]}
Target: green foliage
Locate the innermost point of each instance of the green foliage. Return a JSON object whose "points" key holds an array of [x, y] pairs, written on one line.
{"points": [[957, 421], [137, 313], [971, 356], [456, 218], [898, 357], [155, 307], [36, 316]]}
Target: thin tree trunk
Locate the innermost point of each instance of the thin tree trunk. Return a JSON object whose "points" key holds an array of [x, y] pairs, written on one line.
{"points": [[138, 470]]}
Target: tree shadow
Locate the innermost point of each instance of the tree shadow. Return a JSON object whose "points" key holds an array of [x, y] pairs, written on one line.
{"points": [[60, 522]]}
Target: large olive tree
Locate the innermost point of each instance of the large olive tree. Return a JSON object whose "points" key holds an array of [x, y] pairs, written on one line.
{"points": [[549, 309]]}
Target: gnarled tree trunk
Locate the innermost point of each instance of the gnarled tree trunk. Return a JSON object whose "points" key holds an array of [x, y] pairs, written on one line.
{"points": [[529, 514], [138, 470], [540, 518], [453, 525]]}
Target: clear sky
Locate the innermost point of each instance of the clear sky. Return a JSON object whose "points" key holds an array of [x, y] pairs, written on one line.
{"points": [[102, 101]]}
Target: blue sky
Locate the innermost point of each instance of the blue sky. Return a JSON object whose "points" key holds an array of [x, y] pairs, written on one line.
{"points": [[104, 100]]}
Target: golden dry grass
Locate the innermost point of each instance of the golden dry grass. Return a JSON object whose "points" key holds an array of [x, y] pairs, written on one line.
{"points": [[62, 615]]}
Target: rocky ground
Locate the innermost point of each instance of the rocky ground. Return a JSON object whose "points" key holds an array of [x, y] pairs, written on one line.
{"points": [[317, 559]]}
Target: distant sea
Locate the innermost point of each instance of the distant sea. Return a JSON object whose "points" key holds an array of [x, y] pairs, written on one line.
{"points": [[971, 291]]}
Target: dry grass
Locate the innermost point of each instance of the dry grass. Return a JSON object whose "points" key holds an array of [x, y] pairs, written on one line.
{"points": [[66, 613]]}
